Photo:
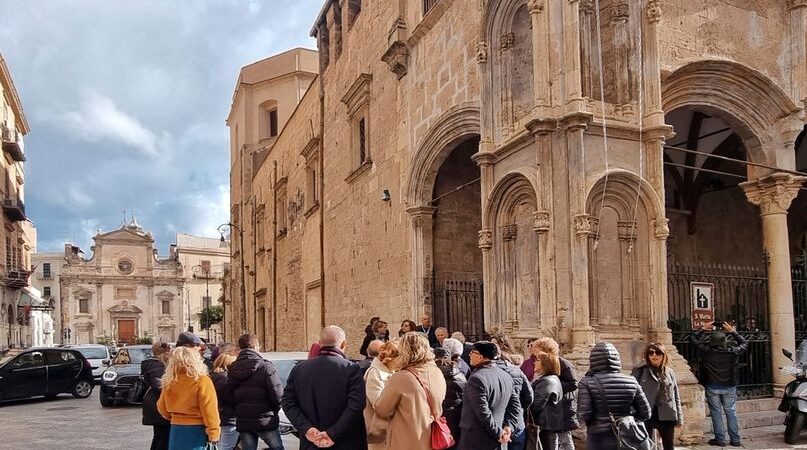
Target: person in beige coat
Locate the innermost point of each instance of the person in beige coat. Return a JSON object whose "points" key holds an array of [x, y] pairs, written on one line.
{"points": [[406, 403], [381, 368]]}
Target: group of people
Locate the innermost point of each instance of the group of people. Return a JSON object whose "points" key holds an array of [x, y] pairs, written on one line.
{"points": [[487, 393]]}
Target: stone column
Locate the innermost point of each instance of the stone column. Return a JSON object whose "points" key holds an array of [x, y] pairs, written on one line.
{"points": [[571, 57], [653, 114], [485, 159], [422, 223], [773, 194], [798, 49], [540, 54], [621, 13]]}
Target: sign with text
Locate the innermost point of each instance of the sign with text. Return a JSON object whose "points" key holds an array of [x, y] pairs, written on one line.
{"points": [[703, 310]]}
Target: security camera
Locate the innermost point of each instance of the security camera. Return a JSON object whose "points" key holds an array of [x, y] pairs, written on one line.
{"points": [[385, 197]]}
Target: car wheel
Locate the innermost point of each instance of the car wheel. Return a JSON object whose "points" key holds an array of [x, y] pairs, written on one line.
{"points": [[82, 389], [106, 401]]}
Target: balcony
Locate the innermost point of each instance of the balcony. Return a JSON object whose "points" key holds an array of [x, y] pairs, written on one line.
{"points": [[14, 209], [16, 277], [12, 144]]}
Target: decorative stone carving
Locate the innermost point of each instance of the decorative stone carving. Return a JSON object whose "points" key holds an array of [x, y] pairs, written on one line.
{"points": [[773, 194], [621, 12], [485, 239], [509, 232], [541, 221], [536, 6], [585, 225], [507, 41], [482, 52], [587, 6], [661, 228], [654, 11], [397, 58], [627, 230], [793, 4], [421, 214]]}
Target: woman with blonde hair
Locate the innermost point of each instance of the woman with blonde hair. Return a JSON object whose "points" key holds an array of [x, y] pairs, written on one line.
{"points": [[375, 379], [229, 435], [189, 401], [413, 396], [661, 389]]}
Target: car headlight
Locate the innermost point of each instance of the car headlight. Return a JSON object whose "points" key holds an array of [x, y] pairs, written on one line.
{"points": [[109, 375]]}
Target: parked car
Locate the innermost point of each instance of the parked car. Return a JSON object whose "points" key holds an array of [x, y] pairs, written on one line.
{"points": [[45, 371], [118, 378], [284, 362], [98, 356]]}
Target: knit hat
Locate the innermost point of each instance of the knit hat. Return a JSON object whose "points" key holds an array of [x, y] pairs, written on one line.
{"points": [[453, 346], [717, 339], [188, 339], [487, 349]]}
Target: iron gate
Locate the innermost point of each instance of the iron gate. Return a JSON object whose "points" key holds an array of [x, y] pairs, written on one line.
{"points": [[740, 297], [798, 273], [459, 306]]}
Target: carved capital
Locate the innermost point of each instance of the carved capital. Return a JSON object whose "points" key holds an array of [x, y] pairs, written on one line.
{"points": [[485, 239], [661, 228], [397, 58], [621, 12], [773, 194], [484, 158], [421, 214], [540, 126], [507, 41], [627, 230], [536, 6], [654, 11], [587, 6], [541, 221], [794, 4], [585, 225], [482, 52], [509, 232]]}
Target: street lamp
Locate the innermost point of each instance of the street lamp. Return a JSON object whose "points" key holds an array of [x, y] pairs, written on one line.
{"points": [[243, 278], [197, 270]]}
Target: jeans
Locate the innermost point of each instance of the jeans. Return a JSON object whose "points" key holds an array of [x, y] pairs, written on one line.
{"points": [[518, 440], [229, 437], [249, 439], [565, 441], [719, 400]]}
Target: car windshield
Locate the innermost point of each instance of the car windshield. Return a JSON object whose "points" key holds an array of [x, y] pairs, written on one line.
{"points": [[284, 367], [93, 352], [131, 356]]}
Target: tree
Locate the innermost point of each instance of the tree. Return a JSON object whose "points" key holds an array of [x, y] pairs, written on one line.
{"points": [[210, 316]]}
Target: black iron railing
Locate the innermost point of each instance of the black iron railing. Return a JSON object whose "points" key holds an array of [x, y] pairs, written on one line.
{"points": [[459, 306]]}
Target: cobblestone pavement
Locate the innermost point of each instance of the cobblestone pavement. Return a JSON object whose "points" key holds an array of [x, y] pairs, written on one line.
{"points": [[68, 423]]}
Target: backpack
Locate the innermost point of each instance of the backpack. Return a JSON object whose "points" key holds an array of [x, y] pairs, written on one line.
{"points": [[630, 434]]}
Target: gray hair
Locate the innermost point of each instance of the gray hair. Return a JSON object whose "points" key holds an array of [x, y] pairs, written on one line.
{"points": [[332, 336], [453, 346], [458, 336], [443, 329], [374, 348]]}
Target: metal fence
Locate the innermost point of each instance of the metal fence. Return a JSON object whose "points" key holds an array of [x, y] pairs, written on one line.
{"points": [[459, 306]]}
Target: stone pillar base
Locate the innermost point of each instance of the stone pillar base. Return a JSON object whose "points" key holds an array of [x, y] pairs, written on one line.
{"points": [[693, 400]]}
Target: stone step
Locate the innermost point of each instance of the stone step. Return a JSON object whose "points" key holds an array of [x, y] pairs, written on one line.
{"points": [[753, 419], [757, 404]]}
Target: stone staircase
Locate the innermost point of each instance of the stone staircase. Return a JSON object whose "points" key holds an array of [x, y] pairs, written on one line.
{"points": [[759, 418]]}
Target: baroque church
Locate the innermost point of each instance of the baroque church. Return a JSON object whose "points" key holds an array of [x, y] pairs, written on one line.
{"points": [[564, 168]]}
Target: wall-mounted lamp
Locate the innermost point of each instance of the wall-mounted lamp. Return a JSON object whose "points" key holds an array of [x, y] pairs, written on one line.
{"points": [[385, 197]]}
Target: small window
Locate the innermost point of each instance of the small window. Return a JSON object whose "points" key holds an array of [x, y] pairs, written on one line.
{"points": [[205, 267], [353, 10], [362, 140], [83, 305], [205, 302], [46, 270], [428, 5], [312, 183], [281, 212], [273, 123], [166, 307], [46, 291]]}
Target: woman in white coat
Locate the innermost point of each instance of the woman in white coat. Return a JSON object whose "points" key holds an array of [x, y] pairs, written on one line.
{"points": [[382, 367]]}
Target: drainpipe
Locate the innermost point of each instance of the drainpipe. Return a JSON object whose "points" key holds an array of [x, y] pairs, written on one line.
{"points": [[274, 256], [322, 198]]}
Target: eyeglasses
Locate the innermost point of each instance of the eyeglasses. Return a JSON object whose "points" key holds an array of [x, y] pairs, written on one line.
{"points": [[474, 352], [652, 352]]}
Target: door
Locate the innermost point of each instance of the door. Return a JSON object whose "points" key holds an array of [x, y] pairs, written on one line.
{"points": [[26, 376], [126, 331], [63, 368]]}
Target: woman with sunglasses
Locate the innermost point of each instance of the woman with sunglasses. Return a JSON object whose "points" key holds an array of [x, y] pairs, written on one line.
{"points": [[661, 388]]}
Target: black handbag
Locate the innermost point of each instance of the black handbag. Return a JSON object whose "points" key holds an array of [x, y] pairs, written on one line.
{"points": [[630, 434], [137, 391]]}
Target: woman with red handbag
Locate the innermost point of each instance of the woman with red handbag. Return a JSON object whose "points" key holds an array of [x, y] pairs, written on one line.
{"points": [[412, 399]]}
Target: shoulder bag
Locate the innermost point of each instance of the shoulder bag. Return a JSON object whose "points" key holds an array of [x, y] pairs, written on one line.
{"points": [[630, 434], [137, 391], [441, 434]]}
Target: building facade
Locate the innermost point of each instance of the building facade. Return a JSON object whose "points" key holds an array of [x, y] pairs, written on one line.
{"points": [[542, 167], [17, 301]]}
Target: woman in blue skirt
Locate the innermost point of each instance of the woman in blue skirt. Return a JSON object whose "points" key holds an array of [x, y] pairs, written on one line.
{"points": [[189, 401]]}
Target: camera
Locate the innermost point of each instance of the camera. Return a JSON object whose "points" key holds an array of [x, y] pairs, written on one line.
{"points": [[718, 324]]}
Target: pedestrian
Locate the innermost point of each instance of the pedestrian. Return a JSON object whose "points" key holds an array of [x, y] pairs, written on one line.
{"points": [[325, 397], [428, 329], [229, 434], [368, 335], [489, 402], [313, 351], [413, 396], [379, 331], [546, 410], [406, 327], [605, 393], [188, 400], [661, 389], [717, 372], [372, 352], [455, 349], [455, 385], [568, 381], [375, 379], [466, 347], [256, 390], [528, 366], [511, 363], [504, 343], [441, 333], [152, 370]]}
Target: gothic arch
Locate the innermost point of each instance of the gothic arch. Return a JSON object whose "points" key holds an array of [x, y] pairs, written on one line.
{"points": [[758, 110], [452, 127]]}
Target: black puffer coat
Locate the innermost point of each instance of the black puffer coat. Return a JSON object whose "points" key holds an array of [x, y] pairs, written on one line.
{"points": [[522, 387], [625, 396], [568, 381], [452, 404], [256, 390], [225, 397], [152, 370], [547, 409]]}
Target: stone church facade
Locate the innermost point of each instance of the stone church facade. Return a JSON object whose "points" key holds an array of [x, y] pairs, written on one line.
{"points": [[555, 157]]}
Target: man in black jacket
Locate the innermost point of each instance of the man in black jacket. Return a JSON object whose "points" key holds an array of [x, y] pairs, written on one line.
{"points": [[428, 329], [325, 398], [257, 391], [490, 404], [717, 372]]}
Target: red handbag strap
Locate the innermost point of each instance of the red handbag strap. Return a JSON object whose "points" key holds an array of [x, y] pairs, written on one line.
{"points": [[425, 392]]}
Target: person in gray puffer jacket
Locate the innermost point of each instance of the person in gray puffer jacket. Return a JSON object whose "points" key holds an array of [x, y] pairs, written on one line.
{"points": [[625, 397]]}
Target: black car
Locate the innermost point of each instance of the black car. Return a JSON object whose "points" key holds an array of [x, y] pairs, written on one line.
{"points": [[45, 371], [124, 371]]}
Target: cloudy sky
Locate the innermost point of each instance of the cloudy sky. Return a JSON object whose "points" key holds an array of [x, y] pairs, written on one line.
{"points": [[126, 102]]}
